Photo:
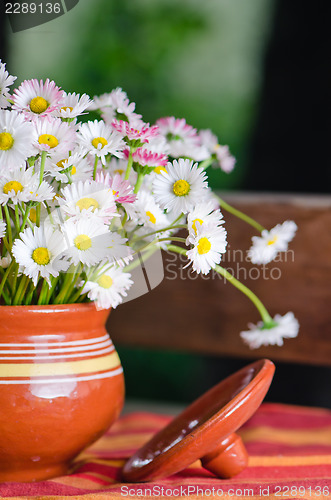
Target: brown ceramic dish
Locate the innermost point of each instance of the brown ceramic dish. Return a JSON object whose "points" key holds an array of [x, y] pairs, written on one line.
{"points": [[205, 430]]}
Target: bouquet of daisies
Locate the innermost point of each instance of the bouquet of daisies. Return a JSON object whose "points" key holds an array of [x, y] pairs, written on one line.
{"points": [[79, 200]]}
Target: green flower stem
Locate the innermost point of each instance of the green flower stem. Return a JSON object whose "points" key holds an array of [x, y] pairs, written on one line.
{"points": [[179, 226], [17, 219], [43, 293], [59, 299], [25, 217], [139, 182], [95, 167], [267, 319], [8, 222], [29, 294], [7, 273], [240, 215], [42, 166], [206, 163], [21, 290], [129, 165], [76, 277], [52, 289]]}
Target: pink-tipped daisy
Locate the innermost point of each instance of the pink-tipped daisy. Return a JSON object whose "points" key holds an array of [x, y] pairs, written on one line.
{"points": [[147, 158], [6, 80], [222, 155], [132, 134], [180, 136], [37, 98], [16, 140], [121, 189], [100, 140], [72, 105], [54, 136]]}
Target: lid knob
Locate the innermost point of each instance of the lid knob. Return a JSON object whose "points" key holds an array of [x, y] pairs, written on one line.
{"points": [[228, 459]]}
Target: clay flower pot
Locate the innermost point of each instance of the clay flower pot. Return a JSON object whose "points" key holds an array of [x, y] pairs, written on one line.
{"points": [[61, 387]]}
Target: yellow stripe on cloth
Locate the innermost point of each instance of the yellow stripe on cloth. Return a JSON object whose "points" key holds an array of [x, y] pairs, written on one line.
{"points": [[62, 368], [278, 461], [288, 436]]}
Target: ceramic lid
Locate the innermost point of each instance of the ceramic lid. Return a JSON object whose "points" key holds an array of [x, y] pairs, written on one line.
{"points": [[206, 430]]}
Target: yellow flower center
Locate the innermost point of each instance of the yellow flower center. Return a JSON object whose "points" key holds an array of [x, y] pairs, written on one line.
{"points": [[33, 215], [41, 256], [12, 186], [86, 203], [119, 171], [204, 246], [60, 163], [194, 224], [6, 141], [105, 281], [66, 108], [272, 241], [160, 169], [38, 105], [99, 141], [151, 217], [181, 187], [115, 193], [48, 139], [83, 242], [73, 170]]}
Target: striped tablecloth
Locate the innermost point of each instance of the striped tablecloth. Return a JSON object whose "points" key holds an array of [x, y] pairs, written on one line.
{"points": [[290, 457]]}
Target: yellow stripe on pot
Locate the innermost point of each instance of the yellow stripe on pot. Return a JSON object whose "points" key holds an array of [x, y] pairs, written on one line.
{"points": [[69, 368]]}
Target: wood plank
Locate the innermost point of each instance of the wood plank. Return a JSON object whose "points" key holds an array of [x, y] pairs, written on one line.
{"points": [[203, 314]]}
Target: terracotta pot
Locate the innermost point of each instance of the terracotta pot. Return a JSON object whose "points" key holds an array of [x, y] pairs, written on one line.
{"points": [[61, 387]]}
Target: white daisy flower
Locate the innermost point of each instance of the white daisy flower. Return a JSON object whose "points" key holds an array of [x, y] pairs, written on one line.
{"points": [[118, 251], [36, 98], [149, 214], [39, 253], [116, 105], [88, 241], [286, 327], [22, 185], [109, 288], [266, 247], [2, 229], [204, 213], [6, 80], [16, 139], [73, 105], [100, 140], [209, 243], [89, 198], [75, 168], [181, 187], [54, 136]]}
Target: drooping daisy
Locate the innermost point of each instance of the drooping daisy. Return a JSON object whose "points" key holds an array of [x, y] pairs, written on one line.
{"points": [[181, 187], [22, 185], [209, 243], [133, 134], [6, 80], [2, 229], [73, 105], [87, 241], [36, 98], [54, 136], [266, 247], [118, 251], [222, 155], [39, 253], [100, 140], [108, 288], [88, 199], [121, 188], [181, 137], [204, 213], [16, 139], [285, 327], [75, 168]]}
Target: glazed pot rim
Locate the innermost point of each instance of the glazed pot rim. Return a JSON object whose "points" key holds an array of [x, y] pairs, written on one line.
{"points": [[53, 307]]}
